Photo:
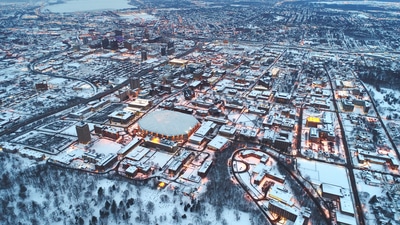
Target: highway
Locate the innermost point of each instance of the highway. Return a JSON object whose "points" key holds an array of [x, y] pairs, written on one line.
{"points": [[97, 96], [32, 69]]}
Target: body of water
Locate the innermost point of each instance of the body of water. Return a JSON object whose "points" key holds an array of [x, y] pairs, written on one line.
{"points": [[88, 5]]}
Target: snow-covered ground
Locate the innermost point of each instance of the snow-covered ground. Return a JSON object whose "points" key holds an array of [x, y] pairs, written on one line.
{"points": [[317, 172], [387, 101], [46, 195]]}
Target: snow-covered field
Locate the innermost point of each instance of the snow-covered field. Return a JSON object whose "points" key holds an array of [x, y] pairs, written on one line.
{"points": [[317, 172]]}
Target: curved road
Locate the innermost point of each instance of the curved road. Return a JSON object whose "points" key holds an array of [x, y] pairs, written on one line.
{"points": [[84, 101], [310, 195], [32, 69]]}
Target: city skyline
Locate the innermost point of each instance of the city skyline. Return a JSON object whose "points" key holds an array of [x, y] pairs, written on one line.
{"points": [[200, 112]]}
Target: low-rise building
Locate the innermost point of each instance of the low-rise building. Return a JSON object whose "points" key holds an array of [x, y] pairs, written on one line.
{"points": [[179, 161], [283, 210], [106, 162], [121, 117], [282, 97], [331, 191], [218, 143], [313, 134], [227, 130], [347, 105], [248, 133], [204, 168], [140, 104], [163, 144], [202, 132]]}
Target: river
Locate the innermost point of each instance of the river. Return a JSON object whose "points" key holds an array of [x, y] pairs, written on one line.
{"points": [[71, 6]]}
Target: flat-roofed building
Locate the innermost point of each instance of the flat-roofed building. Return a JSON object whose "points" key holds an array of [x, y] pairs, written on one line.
{"points": [[202, 103], [141, 104], [313, 121], [163, 144], [90, 157], [377, 158], [218, 143], [287, 124], [347, 105], [358, 102], [106, 162], [313, 134], [106, 131], [122, 117], [100, 104], [346, 204], [32, 154], [259, 177], [248, 133], [217, 120], [278, 193], [283, 210], [348, 84], [331, 191], [276, 177], [195, 84], [327, 117], [127, 148], [343, 219], [328, 132], [196, 139], [263, 174], [131, 171], [269, 120], [179, 161], [137, 153], [134, 82], [252, 153], [204, 168], [338, 84], [81, 112], [227, 130], [257, 110], [283, 140], [178, 62], [205, 128], [282, 97], [322, 102], [275, 71]]}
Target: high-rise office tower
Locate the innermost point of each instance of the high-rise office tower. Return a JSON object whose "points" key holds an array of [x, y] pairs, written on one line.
{"points": [[134, 82], [144, 55], [83, 132]]}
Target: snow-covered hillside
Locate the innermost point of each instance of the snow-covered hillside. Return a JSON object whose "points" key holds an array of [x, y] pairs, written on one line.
{"points": [[41, 194]]}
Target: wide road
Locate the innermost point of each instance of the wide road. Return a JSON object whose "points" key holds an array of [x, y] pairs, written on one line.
{"points": [[98, 96], [33, 70], [349, 165]]}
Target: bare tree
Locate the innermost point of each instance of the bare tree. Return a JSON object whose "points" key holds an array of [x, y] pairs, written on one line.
{"points": [[150, 207]]}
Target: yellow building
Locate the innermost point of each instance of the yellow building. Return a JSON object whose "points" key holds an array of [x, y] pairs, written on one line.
{"points": [[313, 121]]}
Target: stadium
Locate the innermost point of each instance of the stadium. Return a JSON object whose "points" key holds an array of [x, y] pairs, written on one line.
{"points": [[168, 124]]}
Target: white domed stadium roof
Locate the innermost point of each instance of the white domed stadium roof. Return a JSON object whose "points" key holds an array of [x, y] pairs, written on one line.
{"points": [[168, 123]]}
